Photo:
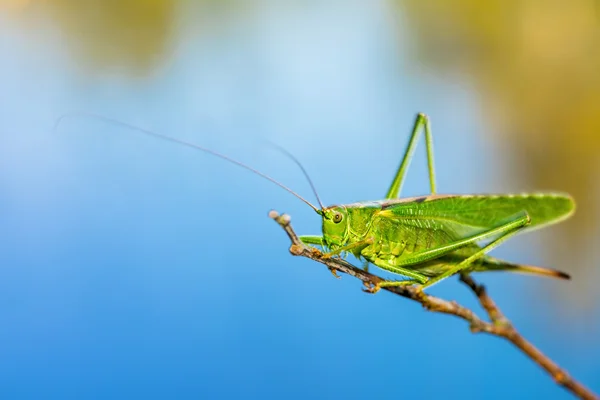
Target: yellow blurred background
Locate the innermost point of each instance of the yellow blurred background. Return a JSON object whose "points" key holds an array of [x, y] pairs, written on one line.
{"points": [[536, 68]]}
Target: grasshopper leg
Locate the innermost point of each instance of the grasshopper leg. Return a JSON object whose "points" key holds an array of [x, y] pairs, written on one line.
{"points": [[317, 241], [352, 246], [422, 121], [512, 228], [413, 277], [518, 221], [365, 266], [312, 239], [334, 273]]}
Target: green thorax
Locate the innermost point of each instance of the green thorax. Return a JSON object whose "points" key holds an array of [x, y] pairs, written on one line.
{"points": [[397, 236]]}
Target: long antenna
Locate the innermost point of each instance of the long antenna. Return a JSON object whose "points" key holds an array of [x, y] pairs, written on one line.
{"points": [[184, 143], [294, 159]]}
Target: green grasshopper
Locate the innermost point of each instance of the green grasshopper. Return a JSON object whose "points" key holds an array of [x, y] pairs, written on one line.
{"points": [[428, 238]]}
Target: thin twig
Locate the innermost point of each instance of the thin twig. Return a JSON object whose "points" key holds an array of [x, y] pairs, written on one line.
{"points": [[498, 325]]}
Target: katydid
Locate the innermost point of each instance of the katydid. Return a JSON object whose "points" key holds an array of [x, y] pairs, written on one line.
{"points": [[425, 239]]}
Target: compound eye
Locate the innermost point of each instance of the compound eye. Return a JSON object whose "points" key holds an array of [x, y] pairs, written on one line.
{"points": [[337, 217]]}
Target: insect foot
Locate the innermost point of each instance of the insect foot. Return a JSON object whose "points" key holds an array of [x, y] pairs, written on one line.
{"points": [[334, 273], [371, 288], [374, 288]]}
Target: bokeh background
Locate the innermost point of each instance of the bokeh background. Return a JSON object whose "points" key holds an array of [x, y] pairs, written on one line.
{"points": [[135, 268]]}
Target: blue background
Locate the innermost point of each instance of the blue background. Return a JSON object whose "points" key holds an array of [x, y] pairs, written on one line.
{"points": [[135, 268]]}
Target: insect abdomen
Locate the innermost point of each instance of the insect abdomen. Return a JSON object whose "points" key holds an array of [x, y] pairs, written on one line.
{"points": [[393, 241]]}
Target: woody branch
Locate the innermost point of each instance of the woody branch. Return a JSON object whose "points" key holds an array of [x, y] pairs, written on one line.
{"points": [[498, 324]]}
